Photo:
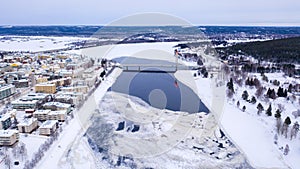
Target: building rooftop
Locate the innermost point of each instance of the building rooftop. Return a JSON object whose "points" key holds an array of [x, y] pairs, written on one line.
{"points": [[58, 104], [24, 101], [48, 124], [42, 112], [5, 87], [5, 117], [7, 133], [45, 84], [57, 112], [27, 122]]}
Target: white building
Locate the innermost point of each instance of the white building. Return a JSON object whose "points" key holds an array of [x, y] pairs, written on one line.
{"points": [[41, 115], [48, 127], [80, 89], [22, 104], [54, 106], [8, 137], [6, 91], [27, 125], [5, 121], [59, 115]]}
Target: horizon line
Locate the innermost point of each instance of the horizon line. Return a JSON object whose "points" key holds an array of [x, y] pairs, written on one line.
{"points": [[197, 25]]}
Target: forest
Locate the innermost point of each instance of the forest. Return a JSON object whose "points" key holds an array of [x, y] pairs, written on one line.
{"points": [[278, 51]]}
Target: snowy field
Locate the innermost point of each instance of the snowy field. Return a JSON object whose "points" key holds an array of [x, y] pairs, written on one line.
{"points": [[254, 134], [36, 43]]}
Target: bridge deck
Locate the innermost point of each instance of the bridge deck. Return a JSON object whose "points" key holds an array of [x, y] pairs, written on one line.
{"points": [[156, 68]]}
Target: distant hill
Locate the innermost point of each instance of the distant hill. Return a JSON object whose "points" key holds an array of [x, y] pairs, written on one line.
{"points": [[279, 51]]}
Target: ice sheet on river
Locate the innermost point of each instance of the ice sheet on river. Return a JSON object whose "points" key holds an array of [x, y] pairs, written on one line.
{"points": [[127, 132]]}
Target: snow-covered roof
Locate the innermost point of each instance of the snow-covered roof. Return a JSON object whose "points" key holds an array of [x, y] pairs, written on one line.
{"points": [[7, 133], [27, 122], [49, 124], [42, 111], [60, 112], [57, 104], [4, 116]]}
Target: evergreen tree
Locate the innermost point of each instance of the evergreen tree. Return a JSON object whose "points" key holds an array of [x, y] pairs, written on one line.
{"points": [[281, 92], [247, 82], [245, 95], [285, 94], [244, 108], [253, 100], [287, 121], [285, 126], [290, 88], [260, 108], [238, 104], [230, 85], [272, 94], [269, 110]]}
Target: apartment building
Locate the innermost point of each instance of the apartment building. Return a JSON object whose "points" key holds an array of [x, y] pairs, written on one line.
{"points": [[5, 121], [8, 137], [48, 127], [41, 115], [45, 88], [6, 91], [59, 115], [27, 125]]}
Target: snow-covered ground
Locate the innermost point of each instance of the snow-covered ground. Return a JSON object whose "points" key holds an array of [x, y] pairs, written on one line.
{"points": [[164, 139], [254, 134], [36, 43]]}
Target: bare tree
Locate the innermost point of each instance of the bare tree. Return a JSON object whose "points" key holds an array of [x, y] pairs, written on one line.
{"points": [[281, 107], [7, 161], [275, 139], [23, 150], [278, 120], [259, 91], [286, 150], [294, 130]]}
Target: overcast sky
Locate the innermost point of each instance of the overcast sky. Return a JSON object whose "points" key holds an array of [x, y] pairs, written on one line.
{"points": [[198, 12]]}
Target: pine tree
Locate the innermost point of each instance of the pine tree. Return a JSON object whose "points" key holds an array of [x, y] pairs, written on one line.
{"points": [[253, 100], [269, 110], [273, 94], [285, 126], [230, 85], [245, 95], [290, 88], [247, 82], [244, 108], [287, 120], [280, 92], [238, 104], [285, 93], [260, 108]]}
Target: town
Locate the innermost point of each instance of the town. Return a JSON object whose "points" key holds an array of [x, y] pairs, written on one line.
{"points": [[39, 95]]}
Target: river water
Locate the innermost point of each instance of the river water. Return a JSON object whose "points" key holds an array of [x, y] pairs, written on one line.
{"points": [[159, 89]]}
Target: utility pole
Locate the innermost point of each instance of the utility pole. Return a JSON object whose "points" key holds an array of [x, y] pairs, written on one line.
{"points": [[176, 59]]}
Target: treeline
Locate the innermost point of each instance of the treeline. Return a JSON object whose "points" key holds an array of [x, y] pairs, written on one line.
{"points": [[278, 51]]}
